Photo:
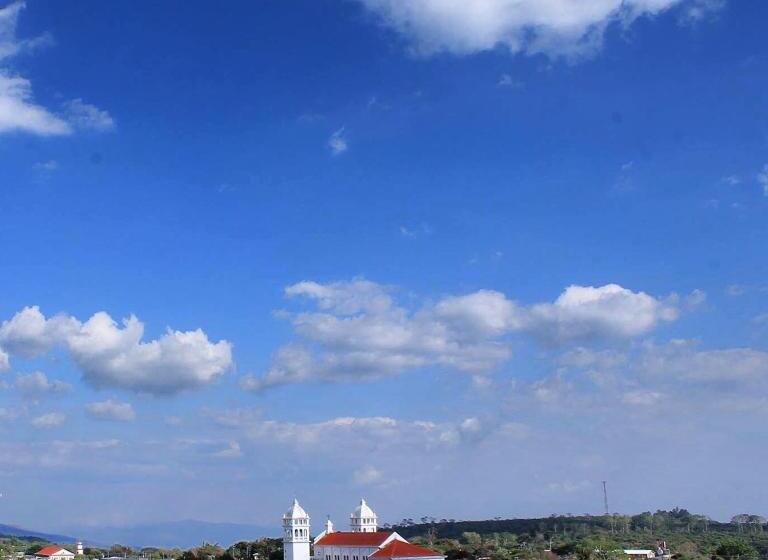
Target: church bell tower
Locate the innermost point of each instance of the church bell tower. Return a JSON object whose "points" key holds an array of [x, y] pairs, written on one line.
{"points": [[296, 533], [363, 519]]}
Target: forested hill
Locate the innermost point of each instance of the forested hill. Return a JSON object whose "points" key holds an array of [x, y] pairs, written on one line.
{"points": [[677, 520], [585, 537], [12, 531]]}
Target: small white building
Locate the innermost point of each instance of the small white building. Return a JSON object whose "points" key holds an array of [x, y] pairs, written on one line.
{"points": [[639, 553], [54, 552], [362, 542]]}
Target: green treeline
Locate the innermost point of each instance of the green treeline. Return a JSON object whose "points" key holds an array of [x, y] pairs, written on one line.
{"points": [[577, 537]]}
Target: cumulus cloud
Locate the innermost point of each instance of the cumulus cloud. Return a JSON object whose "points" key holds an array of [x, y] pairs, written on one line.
{"points": [[357, 330], [608, 311], [49, 420], [111, 410], [112, 355], [36, 384], [570, 28], [29, 334]]}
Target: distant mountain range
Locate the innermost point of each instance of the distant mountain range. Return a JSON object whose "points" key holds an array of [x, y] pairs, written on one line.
{"points": [[11, 531], [183, 534]]}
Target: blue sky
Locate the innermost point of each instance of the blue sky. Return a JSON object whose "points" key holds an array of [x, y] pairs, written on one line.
{"points": [[464, 259]]}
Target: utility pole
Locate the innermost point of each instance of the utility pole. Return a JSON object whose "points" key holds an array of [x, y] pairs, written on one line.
{"points": [[605, 503]]}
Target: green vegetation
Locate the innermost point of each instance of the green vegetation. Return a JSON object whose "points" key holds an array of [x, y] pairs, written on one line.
{"points": [[585, 537], [575, 537]]}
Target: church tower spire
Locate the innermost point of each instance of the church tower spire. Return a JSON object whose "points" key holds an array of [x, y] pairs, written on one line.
{"points": [[296, 533], [363, 519]]}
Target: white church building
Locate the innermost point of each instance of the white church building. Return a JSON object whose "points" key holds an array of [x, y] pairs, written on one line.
{"points": [[363, 541]]}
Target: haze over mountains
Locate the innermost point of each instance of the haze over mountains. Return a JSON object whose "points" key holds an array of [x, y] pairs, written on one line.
{"points": [[12, 531], [183, 534]]}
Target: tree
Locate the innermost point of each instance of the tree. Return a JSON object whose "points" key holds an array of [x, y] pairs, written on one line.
{"points": [[735, 548], [120, 550], [472, 538], [757, 521], [740, 520], [597, 548]]}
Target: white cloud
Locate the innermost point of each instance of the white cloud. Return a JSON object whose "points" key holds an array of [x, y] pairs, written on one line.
{"points": [[682, 360], [359, 331], [36, 384], [5, 362], [47, 166], [507, 81], [231, 451], [423, 229], [337, 143], [736, 290], [345, 298], [696, 299], [9, 15], [569, 28], [29, 334], [375, 432], [762, 178], [583, 312], [649, 374], [642, 398], [109, 355], [88, 117], [698, 10], [367, 475], [18, 111], [49, 420], [233, 417], [111, 410], [484, 312]]}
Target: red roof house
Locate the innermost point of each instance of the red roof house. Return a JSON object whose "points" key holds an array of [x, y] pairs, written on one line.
{"points": [[53, 551], [349, 538], [401, 549]]}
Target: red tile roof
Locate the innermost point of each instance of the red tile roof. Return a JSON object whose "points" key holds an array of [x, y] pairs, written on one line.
{"points": [[348, 538], [48, 550], [400, 549]]}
